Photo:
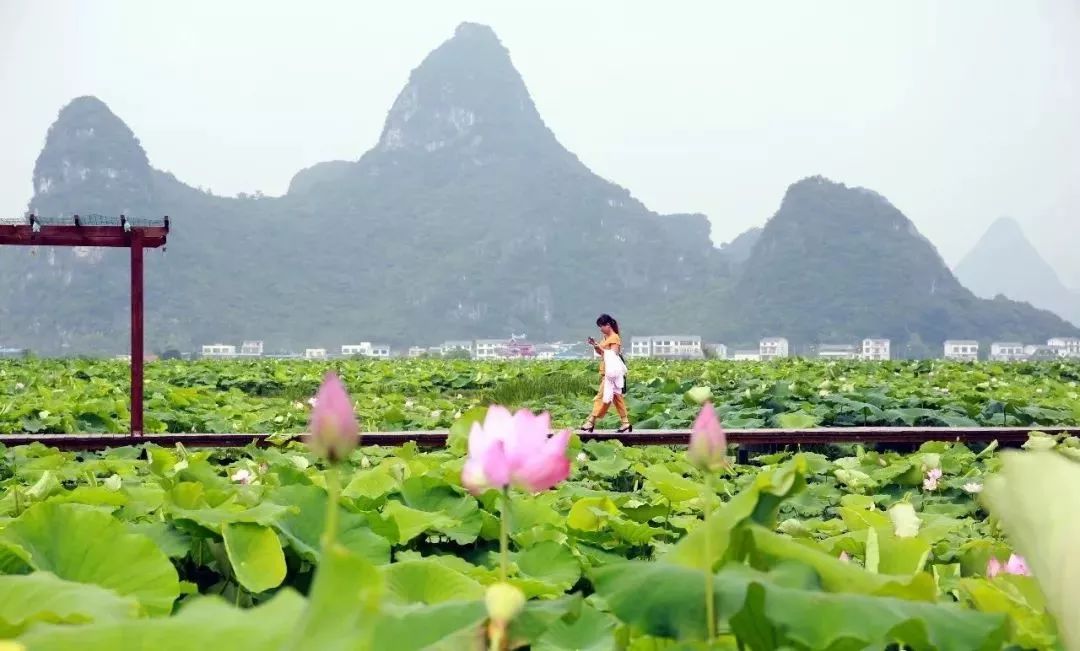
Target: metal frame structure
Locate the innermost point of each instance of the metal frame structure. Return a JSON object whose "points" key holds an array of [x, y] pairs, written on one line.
{"points": [[888, 436], [101, 231]]}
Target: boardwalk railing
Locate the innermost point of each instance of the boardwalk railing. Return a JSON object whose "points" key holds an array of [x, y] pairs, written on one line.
{"points": [[900, 436]]}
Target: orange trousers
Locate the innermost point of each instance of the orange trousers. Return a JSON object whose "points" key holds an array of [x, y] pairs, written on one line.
{"points": [[600, 408]]}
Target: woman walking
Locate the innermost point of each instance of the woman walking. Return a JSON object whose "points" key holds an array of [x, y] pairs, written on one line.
{"points": [[611, 385]]}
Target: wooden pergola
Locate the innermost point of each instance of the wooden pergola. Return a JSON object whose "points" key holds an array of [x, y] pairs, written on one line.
{"points": [[101, 231]]}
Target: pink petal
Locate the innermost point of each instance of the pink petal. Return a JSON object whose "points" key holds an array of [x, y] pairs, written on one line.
{"points": [[547, 467], [495, 466], [499, 423], [530, 433], [473, 477], [993, 568], [1017, 565], [479, 440]]}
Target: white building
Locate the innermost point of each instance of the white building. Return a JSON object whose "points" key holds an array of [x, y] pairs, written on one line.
{"points": [[1002, 351], [667, 347], [417, 351], [875, 350], [365, 349], [962, 350], [251, 349], [1040, 353], [640, 346], [352, 350], [1065, 346], [837, 351], [773, 347], [315, 353], [490, 349], [451, 346], [746, 356], [219, 350], [547, 351], [677, 347], [720, 350]]}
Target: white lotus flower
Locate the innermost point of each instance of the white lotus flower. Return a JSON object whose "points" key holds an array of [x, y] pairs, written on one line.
{"points": [[582, 457], [243, 476], [973, 487]]}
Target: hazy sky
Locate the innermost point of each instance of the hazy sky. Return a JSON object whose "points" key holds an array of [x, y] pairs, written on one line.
{"points": [[957, 111]]}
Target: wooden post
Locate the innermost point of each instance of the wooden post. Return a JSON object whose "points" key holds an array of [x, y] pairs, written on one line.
{"points": [[124, 234], [136, 333]]}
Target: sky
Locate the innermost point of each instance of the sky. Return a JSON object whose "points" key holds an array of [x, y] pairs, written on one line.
{"points": [[958, 112]]}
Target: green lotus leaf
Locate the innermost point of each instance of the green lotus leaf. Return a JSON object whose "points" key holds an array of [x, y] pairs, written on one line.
{"points": [[429, 582], [43, 597], [255, 555], [667, 600], [87, 546], [303, 526], [206, 623]]}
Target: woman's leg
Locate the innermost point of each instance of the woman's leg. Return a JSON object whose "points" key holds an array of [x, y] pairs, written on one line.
{"points": [[620, 408], [599, 407]]}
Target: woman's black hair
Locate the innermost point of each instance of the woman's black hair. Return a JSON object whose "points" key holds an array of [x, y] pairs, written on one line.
{"points": [[607, 320]]}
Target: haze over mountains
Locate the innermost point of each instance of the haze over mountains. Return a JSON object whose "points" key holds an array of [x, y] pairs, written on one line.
{"points": [[1004, 262], [469, 219]]}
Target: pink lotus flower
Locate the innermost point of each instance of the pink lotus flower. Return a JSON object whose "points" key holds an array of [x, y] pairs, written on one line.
{"points": [[334, 430], [844, 558], [930, 483], [708, 444], [1016, 565], [515, 450]]}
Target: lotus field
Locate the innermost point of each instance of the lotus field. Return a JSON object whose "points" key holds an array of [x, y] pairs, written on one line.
{"points": [[516, 536], [60, 396]]}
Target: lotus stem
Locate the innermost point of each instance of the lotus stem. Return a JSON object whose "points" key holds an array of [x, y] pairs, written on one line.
{"points": [[710, 598], [333, 495], [504, 535]]}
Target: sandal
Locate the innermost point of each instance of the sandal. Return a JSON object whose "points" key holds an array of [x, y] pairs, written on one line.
{"points": [[589, 426], [625, 429]]}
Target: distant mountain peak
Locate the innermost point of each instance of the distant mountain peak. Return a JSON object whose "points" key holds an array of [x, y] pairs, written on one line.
{"points": [[465, 94], [1005, 227], [1004, 262], [90, 152], [477, 31]]}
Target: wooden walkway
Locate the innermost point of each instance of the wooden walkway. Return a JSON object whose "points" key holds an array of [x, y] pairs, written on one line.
{"points": [[891, 436]]}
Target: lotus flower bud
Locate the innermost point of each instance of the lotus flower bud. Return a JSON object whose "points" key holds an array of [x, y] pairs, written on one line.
{"points": [[334, 430], [504, 601], [708, 444]]}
